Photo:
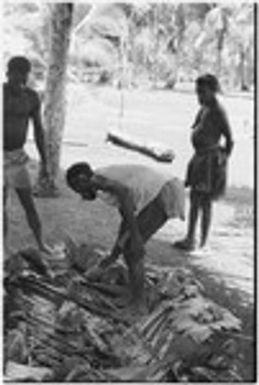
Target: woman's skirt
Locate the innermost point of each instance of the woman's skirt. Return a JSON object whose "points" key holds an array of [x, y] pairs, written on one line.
{"points": [[207, 172]]}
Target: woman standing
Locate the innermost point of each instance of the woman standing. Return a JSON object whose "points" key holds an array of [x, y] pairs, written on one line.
{"points": [[206, 173]]}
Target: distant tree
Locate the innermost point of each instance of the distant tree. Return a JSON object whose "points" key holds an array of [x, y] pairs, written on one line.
{"points": [[159, 42], [241, 43], [105, 30], [214, 31], [79, 13], [176, 42], [158, 31], [102, 33], [225, 43]]}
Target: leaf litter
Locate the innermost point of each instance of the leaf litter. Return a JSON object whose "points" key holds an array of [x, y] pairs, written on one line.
{"points": [[59, 326]]}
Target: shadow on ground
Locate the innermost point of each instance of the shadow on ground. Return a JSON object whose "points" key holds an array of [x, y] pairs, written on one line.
{"points": [[96, 224]]}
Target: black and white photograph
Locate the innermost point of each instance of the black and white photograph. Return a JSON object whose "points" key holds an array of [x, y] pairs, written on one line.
{"points": [[129, 191]]}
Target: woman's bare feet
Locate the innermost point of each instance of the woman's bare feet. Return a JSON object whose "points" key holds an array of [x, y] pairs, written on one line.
{"points": [[185, 244]]}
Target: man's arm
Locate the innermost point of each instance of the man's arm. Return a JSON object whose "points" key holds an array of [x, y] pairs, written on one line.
{"points": [[116, 250], [126, 208], [39, 134]]}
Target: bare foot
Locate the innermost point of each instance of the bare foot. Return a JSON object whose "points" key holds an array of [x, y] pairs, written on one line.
{"points": [[185, 244]]}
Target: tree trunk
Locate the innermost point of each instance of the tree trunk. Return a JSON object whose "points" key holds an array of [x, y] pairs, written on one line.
{"points": [[54, 104], [221, 32], [219, 54], [243, 82], [155, 46]]}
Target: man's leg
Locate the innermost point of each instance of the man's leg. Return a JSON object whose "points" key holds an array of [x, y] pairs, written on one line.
{"points": [[137, 284], [149, 220], [5, 195], [205, 220], [25, 197]]}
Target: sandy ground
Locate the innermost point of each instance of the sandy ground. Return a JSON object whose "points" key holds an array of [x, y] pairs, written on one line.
{"points": [[156, 116], [166, 117], [229, 255], [226, 269]]}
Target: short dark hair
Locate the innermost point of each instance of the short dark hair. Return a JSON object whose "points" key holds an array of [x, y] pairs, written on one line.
{"points": [[210, 81], [19, 63], [81, 168]]}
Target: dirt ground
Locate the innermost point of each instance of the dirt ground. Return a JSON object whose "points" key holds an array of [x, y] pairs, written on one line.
{"points": [[165, 117], [227, 268]]}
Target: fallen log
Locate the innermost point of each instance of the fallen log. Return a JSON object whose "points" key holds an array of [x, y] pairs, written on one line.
{"points": [[158, 152]]}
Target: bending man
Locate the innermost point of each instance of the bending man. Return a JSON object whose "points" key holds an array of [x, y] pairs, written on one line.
{"points": [[145, 198]]}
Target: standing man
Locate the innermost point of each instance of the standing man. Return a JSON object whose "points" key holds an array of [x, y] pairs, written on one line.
{"points": [[21, 105], [145, 199]]}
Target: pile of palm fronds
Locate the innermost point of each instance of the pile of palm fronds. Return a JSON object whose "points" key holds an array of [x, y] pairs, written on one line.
{"points": [[61, 327]]}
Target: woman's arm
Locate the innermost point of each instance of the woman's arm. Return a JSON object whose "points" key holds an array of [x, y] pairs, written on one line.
{"points": [[226, 131]]}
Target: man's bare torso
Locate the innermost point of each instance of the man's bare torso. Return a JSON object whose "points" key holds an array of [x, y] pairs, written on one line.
{"points": [[18, 108]]}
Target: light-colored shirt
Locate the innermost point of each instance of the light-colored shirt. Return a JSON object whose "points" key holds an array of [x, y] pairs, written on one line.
{"points": [[144, 184]]}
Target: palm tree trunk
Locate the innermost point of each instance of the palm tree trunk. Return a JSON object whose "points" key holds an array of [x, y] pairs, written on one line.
{"points": [[55, 106], [155, 46], [243, 82], [220, 44]]}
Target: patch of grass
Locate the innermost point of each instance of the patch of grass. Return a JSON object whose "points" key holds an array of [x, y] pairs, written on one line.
{"points": [[242, 199], [240, 196]]}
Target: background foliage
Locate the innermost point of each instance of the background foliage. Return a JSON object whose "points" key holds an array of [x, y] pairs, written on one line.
{"points": [[152, 44]]}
